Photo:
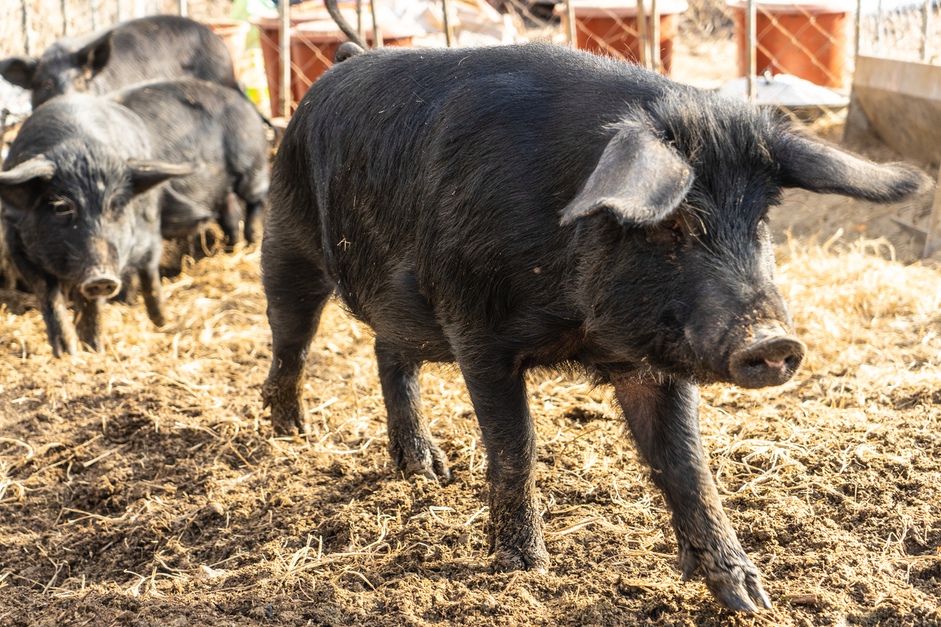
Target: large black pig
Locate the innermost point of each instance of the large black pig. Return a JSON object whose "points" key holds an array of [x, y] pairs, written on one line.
{"points": [[80, 209], [148, 48], [515, 207], [196, 121]]}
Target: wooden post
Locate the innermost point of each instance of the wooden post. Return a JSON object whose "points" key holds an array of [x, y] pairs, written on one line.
{"points": [[570, 24], [858, 27], [27, 47], [359, 20], [655, 62], [644, 59], [376, 32], [751, 39], [933, 241], [448, 30], [925, 30], [285, 6]]}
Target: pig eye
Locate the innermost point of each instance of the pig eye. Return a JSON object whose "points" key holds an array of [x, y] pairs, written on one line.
{"points": [[62, 207]]}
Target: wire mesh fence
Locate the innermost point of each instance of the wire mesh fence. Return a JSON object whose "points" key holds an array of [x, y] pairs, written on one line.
{"points": [[803, 52]]}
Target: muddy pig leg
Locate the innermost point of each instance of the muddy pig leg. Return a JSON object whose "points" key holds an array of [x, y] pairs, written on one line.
{"points": [[297, 288], [230, 219], [88, 321], [59, 325], [410, 441], [252, 217], [664, 419], [152, 290], [499, 399]]}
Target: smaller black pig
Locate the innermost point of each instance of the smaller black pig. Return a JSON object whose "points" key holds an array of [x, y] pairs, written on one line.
{"points": [[524, 206], [196, 121], [148, 48], [80, 208]]}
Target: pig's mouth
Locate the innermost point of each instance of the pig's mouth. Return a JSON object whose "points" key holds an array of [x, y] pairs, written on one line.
{"points": [[770, 357]]}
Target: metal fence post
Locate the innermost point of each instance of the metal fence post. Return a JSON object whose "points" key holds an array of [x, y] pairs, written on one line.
{"points": [[644, 59], [570, 24], [751, 45], [655, 61], [448, 31], [376, 33], [925, 30], [285, 6], [26, 27]]}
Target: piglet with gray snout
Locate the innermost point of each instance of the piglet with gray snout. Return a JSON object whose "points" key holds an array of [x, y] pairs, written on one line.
{"points": [[515, 207]]}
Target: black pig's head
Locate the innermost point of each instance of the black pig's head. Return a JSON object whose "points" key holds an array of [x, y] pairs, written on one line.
{"points": [[79, 211], [676, 269], [65, 67]]}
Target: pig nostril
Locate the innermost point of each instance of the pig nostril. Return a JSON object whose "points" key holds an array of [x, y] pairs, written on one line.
{"points": [[100, 288], [769, 361]]}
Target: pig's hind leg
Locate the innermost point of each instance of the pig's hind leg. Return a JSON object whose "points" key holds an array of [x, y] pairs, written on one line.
{"points": [[664, 419], [410, 442], [297, 288]]}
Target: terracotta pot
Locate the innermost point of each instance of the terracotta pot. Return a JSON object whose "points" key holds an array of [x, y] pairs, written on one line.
{"points": [[314, 40], [233, 34], [611, 27], [805, 40]]}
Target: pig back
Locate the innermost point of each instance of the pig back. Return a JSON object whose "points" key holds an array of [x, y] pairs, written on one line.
{"points": [[452, 167]]}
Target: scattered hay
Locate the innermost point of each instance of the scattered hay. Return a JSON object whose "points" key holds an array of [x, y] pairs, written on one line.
{"points": [[144, 483]]}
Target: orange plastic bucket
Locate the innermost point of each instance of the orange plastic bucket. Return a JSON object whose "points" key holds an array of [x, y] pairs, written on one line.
{"points": [[805, 40], [314, 40], [611, 27]]}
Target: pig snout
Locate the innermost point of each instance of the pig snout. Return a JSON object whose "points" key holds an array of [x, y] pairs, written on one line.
{"points": [[770, 357], [100, 284]]}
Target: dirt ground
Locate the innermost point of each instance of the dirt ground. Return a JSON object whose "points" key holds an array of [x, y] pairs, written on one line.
{"points": [[143, 485]]}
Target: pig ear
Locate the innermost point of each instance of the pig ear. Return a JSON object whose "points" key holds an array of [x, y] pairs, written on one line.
{"points": [[94, 57], [19, 70], [20, 183], [639, 178], [146, 174], [818, 167]]}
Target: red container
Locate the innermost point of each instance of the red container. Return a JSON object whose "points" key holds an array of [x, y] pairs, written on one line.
{"points": [[314, 40], [805, 40], [233, 34], [611, 27]]}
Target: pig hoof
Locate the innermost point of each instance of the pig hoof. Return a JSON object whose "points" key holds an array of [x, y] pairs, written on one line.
{"points": [[428, 460], [63, 345], [288, 414], [730, 576], [527, 552], [513, 558]]}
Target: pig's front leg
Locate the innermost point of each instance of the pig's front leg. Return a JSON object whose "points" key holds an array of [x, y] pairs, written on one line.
{"points": [[410, 442], [499, 398], [88, 321], [152, 289], [664, 418], [55, 313]]}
